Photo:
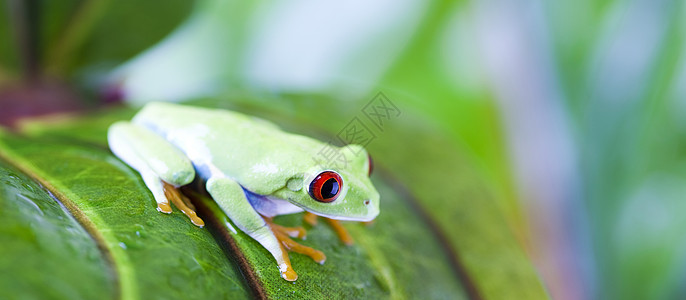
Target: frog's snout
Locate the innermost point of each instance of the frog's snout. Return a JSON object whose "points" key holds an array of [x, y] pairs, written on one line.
{"points": [[372, 210]]}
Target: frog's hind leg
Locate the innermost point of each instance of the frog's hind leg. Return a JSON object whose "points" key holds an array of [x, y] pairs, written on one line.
{"points": [[162, 166]]}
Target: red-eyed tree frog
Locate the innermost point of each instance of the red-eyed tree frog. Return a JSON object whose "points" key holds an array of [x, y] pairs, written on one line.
{"points": [[252, 169]]}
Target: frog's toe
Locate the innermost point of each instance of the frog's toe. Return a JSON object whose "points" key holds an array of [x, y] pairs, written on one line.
{"points": [[283, 235], [294, 232], [294, 246], [164, 207], [287, 272], [181, 202]]}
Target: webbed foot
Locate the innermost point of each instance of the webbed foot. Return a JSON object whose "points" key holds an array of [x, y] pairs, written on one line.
{"points": [[181, 202], [284, 235]]}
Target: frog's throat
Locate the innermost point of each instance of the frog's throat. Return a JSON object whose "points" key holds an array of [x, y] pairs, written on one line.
{"points": [[335, 217]]}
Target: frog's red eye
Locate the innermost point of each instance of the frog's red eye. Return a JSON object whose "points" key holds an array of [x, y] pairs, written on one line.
{"points": [[371, 164], [326, 186]]}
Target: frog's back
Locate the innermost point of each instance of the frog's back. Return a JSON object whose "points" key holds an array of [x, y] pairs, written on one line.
{"points": [[161, 116], [238, 145]]}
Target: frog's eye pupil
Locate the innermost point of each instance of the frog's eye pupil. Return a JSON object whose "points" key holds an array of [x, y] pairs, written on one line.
{"points": [[330, 188], [326, 187]]}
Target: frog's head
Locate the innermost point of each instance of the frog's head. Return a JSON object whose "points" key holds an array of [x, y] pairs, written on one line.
{"points": [[338, 189]]}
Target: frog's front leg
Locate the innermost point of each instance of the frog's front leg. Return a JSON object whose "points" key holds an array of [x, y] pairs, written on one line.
{"points": [[162, 166], [230, 197], [284, 235]]}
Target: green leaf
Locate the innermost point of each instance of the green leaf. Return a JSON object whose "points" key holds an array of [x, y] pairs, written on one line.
{"points": [[9, 53], [43, 246], [110, 32], [155, 256], [440, 234]]}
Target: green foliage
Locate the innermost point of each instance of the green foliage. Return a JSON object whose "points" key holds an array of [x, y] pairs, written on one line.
{"points": [[44, 246], [72, 35], [154, 256], [625, 97], [429, 231]]}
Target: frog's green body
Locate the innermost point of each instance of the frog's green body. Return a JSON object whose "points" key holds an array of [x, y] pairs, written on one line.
{"points": [[249, 166]]}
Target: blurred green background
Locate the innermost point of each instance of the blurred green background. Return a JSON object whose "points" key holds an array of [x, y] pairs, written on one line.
{"points": [[572, 110]]}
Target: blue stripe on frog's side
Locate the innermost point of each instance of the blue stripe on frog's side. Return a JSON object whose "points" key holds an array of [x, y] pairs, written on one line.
{"points": [[270, 206]]}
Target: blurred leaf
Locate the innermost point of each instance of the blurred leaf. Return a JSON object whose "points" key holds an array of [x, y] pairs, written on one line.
{"points": [[9, 55], [648, 238], [470, 117], [629, 138], [109, 32], [74, 34], [45, 252]]}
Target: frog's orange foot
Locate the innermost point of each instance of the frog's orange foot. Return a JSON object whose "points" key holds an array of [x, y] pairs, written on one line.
{"points": [[284, 235], [294, 232], [340, 231], [286, 269], [181, 202]]}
